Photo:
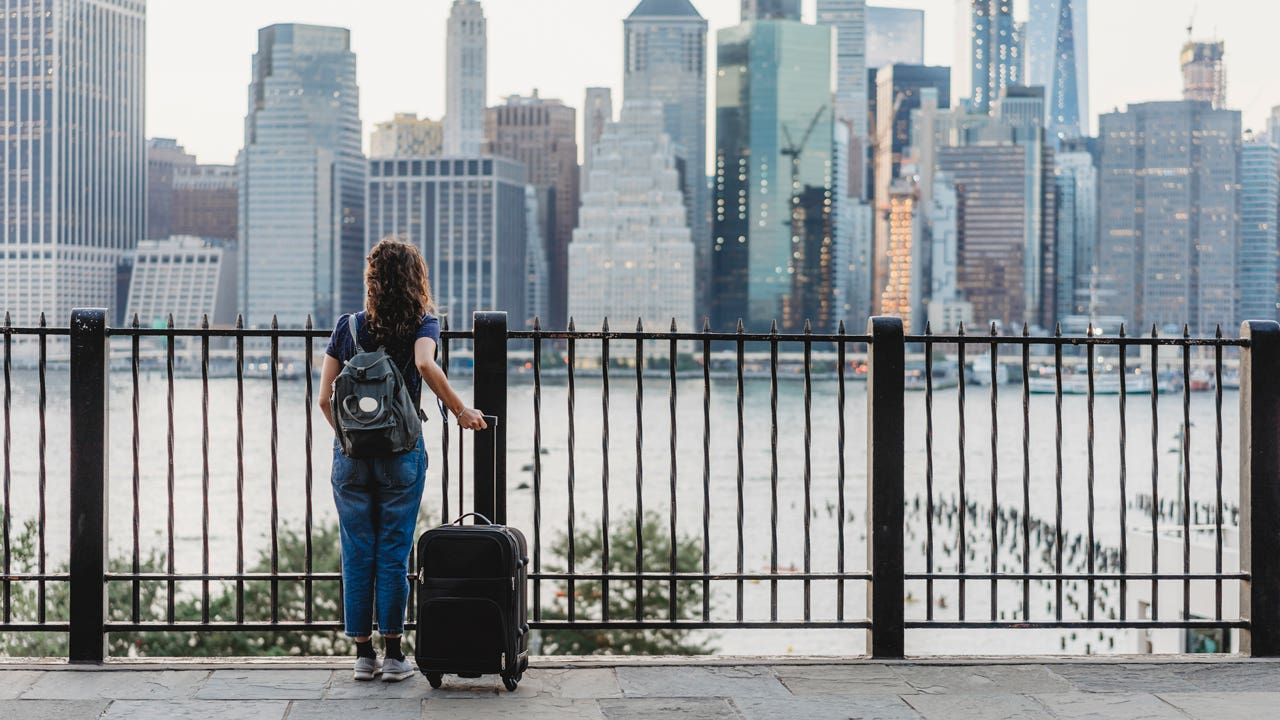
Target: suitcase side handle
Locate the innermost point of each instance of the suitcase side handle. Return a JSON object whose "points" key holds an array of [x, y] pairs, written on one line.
{"points": [[458, 521]]}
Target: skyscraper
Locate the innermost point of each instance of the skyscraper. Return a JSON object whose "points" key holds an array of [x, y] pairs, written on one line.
{"points": [[1204, 77], [1259, 195], [541, 134], [1076, 179], [850, 20], [466, 67], [903, 295], [631, 256], [467, 216], [774, 253], [597, 111], [666, 49], [894, 35], [770, 10], [405, 135], [989, 49], [74, 153], [1058, 60], [1167, 214], [302, 179], [187, 198], [164, 157]]}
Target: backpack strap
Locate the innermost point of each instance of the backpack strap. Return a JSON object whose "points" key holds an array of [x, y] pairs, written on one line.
{"points": [[353, 324]]}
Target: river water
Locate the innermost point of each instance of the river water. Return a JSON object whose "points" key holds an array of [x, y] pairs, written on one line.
{"points": [[656, 461]]}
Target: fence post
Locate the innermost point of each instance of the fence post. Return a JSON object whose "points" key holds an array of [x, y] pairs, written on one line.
{"points": [[885, 495], [1260, 487], [89, 447], [489, 390]]}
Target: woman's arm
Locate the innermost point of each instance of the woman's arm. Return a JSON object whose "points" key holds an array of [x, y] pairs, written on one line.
{"points": [[328, 373], [424, 355]]}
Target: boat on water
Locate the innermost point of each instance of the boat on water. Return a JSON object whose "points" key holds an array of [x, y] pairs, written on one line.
{"points": [[946, 374], [1076, 382]]}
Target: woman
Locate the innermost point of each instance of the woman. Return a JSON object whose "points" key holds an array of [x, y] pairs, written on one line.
{"points": [[378, 498]]}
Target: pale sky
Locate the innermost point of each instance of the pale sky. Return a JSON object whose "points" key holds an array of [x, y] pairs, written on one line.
{"points": [[199, 54]]}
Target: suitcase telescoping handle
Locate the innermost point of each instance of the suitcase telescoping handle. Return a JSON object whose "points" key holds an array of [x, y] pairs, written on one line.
{"points": [[486, 520]]}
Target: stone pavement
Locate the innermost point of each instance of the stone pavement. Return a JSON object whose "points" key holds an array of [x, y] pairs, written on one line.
{"points": [[672, 689]]}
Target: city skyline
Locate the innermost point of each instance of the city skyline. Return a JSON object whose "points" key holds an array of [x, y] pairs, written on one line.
{"points": [[202, 103]]}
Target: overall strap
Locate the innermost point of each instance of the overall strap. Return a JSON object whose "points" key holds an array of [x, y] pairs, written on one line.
{"points": [[353, 325]]}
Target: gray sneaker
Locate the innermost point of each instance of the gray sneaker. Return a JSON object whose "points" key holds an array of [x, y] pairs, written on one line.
{"points": [[366, 668], [394, 670]]}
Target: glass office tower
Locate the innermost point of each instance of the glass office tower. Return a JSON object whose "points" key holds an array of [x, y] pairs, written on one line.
{"points": [[773, 255]]}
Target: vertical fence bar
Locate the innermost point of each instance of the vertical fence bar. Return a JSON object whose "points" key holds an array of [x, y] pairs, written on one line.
{"points": [[42, 474], [8, 468], [308, 589], [89, 403], [885, 495], [840, 460], [170, 479], [239, 468], [1155, 474], [962, 550], [706, 469], [1026, 475], [773, 472], [204, 467], [275, 470], [639, 470], [928, 471], [570, 476], [1124, 475], [1059, 537], [537, 467], [1259, 491], [741, 359], [1217, 507], [671, 374], [606, 562], [490, 396], [1089, 472], [1184, 472], [994, 511], [808, 467], [136, 594], [444, 429]]}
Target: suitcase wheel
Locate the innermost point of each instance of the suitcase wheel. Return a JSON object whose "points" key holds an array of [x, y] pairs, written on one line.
{"points": [[509, 683], [435, 679]]}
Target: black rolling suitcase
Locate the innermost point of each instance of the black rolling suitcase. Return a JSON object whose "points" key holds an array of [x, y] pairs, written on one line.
{"points": [[472, 603]]}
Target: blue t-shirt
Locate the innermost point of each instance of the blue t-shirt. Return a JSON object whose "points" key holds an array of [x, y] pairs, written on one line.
{"points": [[399, 349]]}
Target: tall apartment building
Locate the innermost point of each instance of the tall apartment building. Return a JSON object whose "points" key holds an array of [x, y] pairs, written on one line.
{"points": [[1259, 195], [406, 135], [1168, 201], [774, 250], [894, 36], [302, 179], [466, 81], [541, 134], [467, 217], [665, 61], [632, 256], [1204, 75], [73, 81], [1058, 60], [849, 18]]}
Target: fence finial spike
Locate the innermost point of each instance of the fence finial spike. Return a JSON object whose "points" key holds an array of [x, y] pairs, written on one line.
{"points": [[993, 327], [275, 323], [960, 329], [639, 324], [1154, 332], [840, 327], [7, 321], [807, 327], [135, 322], [1122, 333], [239, 320], [740, 329], [1186, 330], [1089, 331], [537, 324], [169, 324], [308, 324], [204, 322], [570, 323], [773, 328], [1057, 329], [1218, 331], [673, 324], [444, 324], [604, 326], [706, 323], [928, 327]]}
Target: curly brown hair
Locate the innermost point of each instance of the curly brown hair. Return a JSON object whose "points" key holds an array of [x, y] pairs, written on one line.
{"points": [[398, 290]]}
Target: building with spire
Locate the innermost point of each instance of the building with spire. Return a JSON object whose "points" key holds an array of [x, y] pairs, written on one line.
{"points": [[1058, 60], [631, 255], [302, 179], [666, 48], [466, 68]]}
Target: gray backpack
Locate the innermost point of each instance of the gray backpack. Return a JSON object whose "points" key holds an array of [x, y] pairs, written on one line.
{"points": [[372, 409]]}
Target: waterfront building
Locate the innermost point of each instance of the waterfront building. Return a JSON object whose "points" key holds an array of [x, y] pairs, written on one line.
{"points": [[466, 68], [988, 51], [467, 216], [1058, 60], [1259, 195], [1076, 186], [1204, 76], [632, 256], [665, 61], [1167, 212], [302, 170], [895, 36], [773, 256], [406, 135], [73, 80], [597, 111], [190, 277], [541, 134]]}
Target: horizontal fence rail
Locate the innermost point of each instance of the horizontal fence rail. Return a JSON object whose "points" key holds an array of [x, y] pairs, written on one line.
{"points": [[669, 480]]}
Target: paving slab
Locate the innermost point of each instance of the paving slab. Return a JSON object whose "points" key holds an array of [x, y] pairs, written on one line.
{"points": [[379, 708], [977, 707], [1110, 706], [263, 684], [193, 710], [14, 682], [117, 685], [700, 682], [51, 709], [345, 687], [512, 708], [686, 708], [460, 688], [1117, 677], [853, 707], [570, 683], [984, 679], [868, 679], [1215, 706], [1235, 677]]}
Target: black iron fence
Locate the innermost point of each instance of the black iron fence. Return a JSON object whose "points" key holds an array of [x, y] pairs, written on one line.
{"points": [[781, 517]]}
